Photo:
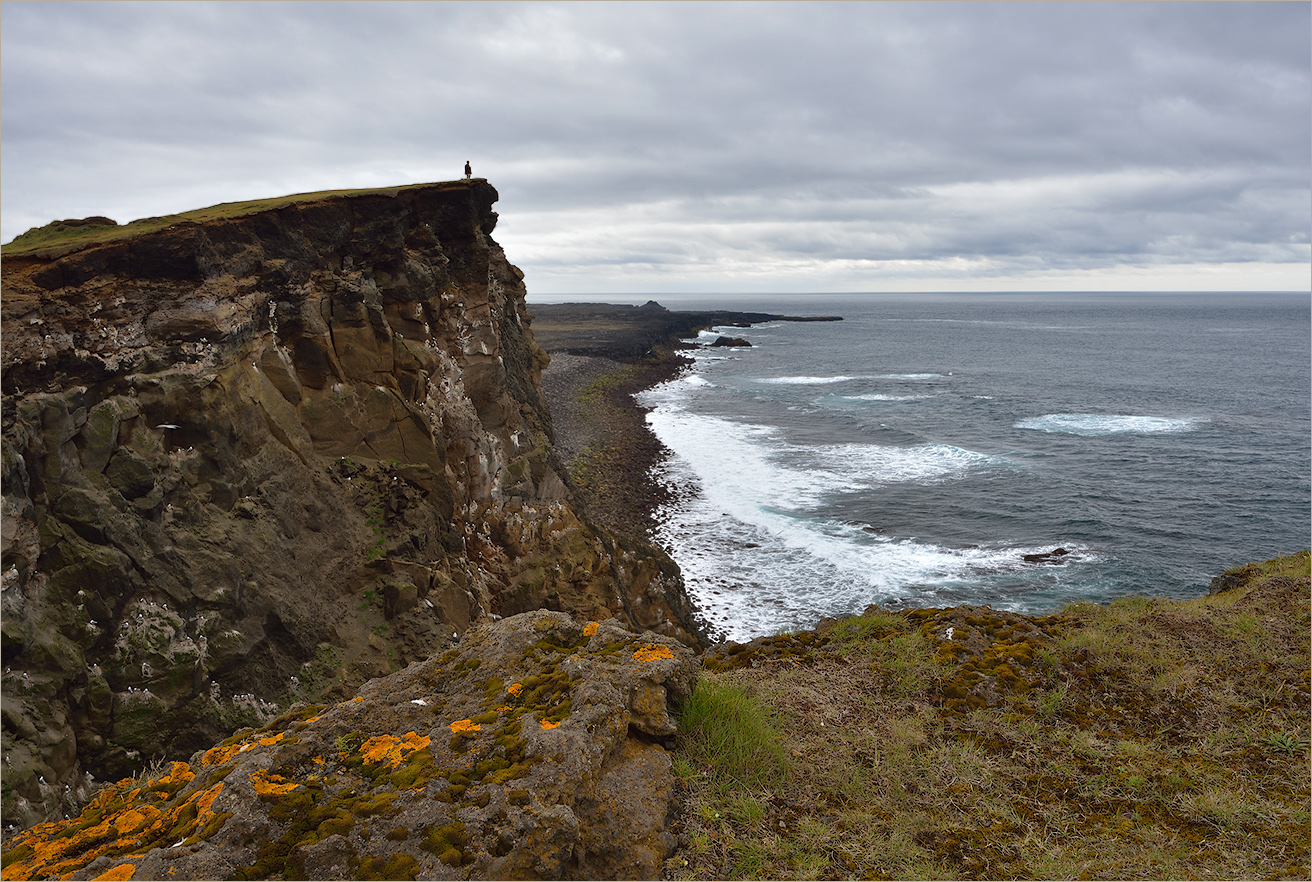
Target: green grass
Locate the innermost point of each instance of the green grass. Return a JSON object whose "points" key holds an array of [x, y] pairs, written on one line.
{"points": [[1141, 739], [61, 237], [731, 738]]}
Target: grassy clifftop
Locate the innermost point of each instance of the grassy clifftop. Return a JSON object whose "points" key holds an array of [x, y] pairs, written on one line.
{"points": [[1145, 739], [63, 236]]}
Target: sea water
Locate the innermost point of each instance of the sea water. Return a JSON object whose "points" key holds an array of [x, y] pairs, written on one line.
{"points": [[914, 453]]}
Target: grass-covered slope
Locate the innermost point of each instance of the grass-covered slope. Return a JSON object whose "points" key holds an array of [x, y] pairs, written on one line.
{"points": [[1145, 739], [62, 236]]}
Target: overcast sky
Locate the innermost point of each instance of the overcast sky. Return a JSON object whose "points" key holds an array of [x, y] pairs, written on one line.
{"points": [[699, 146]]}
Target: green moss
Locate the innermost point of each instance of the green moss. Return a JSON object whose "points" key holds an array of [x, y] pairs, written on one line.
{"points": [[513, 771], [340, 822], [398, 866], [416, 771], [447, 843], [21, 853]]}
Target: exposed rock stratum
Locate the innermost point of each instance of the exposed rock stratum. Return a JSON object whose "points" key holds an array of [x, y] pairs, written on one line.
{"points": [[262, 453]]}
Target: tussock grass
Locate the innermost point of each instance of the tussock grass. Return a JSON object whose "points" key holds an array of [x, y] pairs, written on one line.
{"points": [[1142, 739], [730, 738]]}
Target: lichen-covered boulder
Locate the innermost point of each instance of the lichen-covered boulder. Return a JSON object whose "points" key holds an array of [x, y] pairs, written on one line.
{"points": [[533, 749]]}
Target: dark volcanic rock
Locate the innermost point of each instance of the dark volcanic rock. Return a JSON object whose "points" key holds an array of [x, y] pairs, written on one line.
{"points": [[256, 459], [730, 341], [628, 333], [1046, 556]]}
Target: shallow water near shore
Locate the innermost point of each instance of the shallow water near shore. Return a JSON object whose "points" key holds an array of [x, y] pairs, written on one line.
{"points": [[914, 453]]}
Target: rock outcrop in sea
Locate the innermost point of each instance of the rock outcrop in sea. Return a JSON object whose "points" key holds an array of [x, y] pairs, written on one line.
{"points": [[259, 454]]}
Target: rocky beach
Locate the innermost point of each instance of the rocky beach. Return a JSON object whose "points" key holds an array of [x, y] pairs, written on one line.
{"points": [[601, 355]]}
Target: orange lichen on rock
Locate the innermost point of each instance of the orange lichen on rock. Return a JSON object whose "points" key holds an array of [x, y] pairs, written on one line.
{"points": [[547, 724], [515, 688], [464, 726], [267, 784], [589, 629], [114, 874], [651, 652], [391, 750], [177, 778], [204, 799], [113, 824], [217, 756]]}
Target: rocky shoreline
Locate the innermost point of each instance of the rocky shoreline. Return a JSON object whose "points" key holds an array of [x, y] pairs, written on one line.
{"points": [[601, 356]]}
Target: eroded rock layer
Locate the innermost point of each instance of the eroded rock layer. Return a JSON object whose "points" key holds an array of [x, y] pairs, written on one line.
{"points": [[263, 458]]}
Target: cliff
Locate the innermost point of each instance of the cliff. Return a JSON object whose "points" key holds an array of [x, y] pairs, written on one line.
{"points": [[261, 453]]}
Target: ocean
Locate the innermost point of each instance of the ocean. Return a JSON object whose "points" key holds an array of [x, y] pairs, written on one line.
{"points": [[913, 454]]}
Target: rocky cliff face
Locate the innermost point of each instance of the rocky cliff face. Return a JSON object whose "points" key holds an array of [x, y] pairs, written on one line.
{"points": [[263, 457]]}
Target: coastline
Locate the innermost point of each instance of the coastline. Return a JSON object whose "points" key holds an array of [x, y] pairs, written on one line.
{"points": [[602, 437], [601, 355]]}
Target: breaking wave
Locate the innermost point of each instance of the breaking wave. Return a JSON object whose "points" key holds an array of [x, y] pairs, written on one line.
{"points": [[1106, 424]]}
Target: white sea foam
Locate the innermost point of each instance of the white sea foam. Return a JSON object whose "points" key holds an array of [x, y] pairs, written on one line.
{"points": [[809, 381], [1106, 424], [822, 381], [878, 396], [776, 571], [755, 553], [870, 465]]}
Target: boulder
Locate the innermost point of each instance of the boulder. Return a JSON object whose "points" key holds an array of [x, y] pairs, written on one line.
{"points": [[730, 341], [1046, 556], [533, 749]]}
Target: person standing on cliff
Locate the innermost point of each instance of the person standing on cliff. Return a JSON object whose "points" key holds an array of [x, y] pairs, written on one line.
{"points": [[468, 171]]}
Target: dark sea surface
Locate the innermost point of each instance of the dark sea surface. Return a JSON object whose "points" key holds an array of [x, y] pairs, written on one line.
{"points": [[913, 453]]}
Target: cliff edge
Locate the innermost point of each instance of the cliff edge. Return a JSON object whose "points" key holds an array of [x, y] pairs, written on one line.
{"points": [[261, 453]]}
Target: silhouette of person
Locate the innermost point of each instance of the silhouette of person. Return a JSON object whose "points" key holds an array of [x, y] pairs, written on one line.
{"points": [[468, 171]]}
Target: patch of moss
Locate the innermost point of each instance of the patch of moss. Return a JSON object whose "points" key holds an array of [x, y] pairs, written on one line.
{"points": [[447, 842], [415, 772], [398, 866]]}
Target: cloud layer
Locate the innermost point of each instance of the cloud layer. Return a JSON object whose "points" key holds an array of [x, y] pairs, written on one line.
{"points": [[705, 146]]}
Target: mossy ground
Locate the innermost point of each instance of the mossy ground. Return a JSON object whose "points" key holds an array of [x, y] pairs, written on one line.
{"points": [[1143, 739]]}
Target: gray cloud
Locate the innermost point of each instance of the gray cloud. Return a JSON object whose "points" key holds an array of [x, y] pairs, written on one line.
{"points": [[777, 146]]}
